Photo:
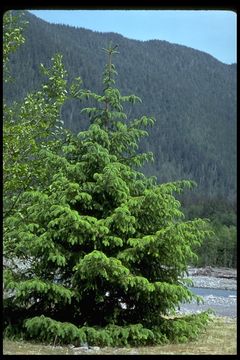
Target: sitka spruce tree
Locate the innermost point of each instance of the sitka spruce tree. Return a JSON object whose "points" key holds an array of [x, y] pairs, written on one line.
{"points": [[108, 247]]}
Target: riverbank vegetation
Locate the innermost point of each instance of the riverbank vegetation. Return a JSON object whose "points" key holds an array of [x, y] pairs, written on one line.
{"points": [[221, 249], [220, 338]]}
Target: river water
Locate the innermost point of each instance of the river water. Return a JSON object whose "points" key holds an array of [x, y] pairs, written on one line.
{"points": [[222, 302], [213, 292]]}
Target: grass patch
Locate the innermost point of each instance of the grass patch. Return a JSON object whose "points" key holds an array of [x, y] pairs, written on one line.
{"points": [[220, 338]]}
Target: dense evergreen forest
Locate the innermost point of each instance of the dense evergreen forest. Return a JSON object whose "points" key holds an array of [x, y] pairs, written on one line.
{"points": [[191, 95]]}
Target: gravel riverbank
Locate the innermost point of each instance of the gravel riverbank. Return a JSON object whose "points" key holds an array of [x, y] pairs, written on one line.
{"points": [[221, 306], [215, 279]]}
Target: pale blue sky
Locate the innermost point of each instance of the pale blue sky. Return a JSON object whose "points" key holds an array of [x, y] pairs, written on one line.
{"points": [[211, 31]]}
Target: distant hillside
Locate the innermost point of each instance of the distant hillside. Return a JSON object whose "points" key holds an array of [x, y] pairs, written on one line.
{"points": [[191, 94]]}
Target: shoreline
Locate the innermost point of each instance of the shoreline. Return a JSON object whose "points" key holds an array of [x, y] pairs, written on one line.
{"points": [[219, 272], [214, 278]]}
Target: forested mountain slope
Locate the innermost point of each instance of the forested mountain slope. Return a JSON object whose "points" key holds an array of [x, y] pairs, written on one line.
{"points": [[191, 94]]}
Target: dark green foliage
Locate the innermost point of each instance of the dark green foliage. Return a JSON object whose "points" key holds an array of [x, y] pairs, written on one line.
{"points": [[221, 249], [186, 328], [191, 94], [107, 247], [180, 330]]}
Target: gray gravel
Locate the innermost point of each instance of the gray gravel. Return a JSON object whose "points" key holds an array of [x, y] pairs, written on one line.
{"points": [[213, 282], [222, 306]]}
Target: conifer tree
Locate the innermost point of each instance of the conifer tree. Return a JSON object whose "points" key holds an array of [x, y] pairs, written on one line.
{"points": [[108, 247]]}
